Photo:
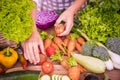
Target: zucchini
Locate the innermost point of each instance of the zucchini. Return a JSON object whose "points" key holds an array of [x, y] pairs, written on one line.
{"points": [[53, 77], [21, 75]]}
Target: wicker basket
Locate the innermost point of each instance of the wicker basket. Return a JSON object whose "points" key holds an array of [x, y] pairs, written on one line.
{"points": [[4, 42]]}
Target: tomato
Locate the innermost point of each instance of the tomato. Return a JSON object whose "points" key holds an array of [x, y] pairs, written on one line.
{"points": [[47, 67], [59, 29], [50, 50], [43, 58]]}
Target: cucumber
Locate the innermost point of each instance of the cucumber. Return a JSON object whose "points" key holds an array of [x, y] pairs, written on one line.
{"points": [[53, 77], [65, 77], [45, 77], [21, 75]]}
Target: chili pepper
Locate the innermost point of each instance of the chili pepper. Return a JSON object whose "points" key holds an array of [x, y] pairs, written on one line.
{"points": [[22, 59]]}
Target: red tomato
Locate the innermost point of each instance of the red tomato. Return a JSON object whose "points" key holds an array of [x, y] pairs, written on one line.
{"points": [[43, 59], [47, 67], [50, 50]]}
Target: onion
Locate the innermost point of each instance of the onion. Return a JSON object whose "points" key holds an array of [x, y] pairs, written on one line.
{"points": [[46, 19]]}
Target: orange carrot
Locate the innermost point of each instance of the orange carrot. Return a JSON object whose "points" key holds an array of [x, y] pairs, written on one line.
{"points": [[60, 43], [81, 40], [78, 47], [55, 46], [59, 28], [66, 41], [47, 42], [74, 73], [64, 63], [71, 47], [82, 69]]}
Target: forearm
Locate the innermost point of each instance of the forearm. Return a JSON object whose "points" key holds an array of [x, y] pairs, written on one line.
{"points": [[33, 15], [76, 6]]}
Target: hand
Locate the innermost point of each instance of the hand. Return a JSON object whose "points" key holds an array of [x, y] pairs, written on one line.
{"points": [[68, 17], [32, 47]]}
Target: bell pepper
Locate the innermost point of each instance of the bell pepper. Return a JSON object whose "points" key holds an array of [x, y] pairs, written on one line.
{"points": [[8, 57]]}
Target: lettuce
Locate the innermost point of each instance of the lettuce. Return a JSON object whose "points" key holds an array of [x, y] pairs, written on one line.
{"points": [[15, 20]]}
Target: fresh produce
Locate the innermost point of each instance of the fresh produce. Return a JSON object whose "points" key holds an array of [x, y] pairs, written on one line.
{"points": [[74, 73], [113, 44], [81, 40], [47, 67], [91, 76], [8, 57], [16, 22], [78, 47], [46, 19], [87, 48], [66, 40], [48, 41], [54, 77], [20, 75], [113, 56], [100, 19], [45, 77], [72, 43], [101, 53], [60, 27], [92, 64], [43, 35], [22, 59], [1, 70], [59, 43], [60, 58], [50, 51], [43, 58]]}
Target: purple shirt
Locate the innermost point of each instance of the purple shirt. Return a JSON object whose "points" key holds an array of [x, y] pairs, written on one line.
{"points": [[57, 5]]}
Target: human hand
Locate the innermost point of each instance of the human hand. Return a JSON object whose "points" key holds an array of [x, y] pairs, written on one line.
{"points": [[32, 48], [68, 17]]}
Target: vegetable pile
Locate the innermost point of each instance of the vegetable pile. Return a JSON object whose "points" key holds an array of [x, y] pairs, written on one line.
{"points": [[15, 21]]}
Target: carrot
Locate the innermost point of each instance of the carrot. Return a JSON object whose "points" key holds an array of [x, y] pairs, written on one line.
{"points": [[47, 42], [59, 28], [71, 47], [81, 40], [66, 41], [82, 69], [60, 43], [74, 73], [78, 47], [64, 63], [55, 46]]}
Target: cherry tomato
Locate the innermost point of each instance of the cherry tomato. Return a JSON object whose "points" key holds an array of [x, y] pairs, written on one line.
{"points": [[47, 67], [43, 58], [50, 50]]}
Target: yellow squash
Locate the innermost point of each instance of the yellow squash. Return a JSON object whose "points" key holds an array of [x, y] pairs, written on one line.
{"points": [[8, 57]]}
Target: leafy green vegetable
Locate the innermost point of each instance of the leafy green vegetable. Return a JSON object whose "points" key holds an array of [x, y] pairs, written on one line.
{"points": [[43, 34], [100, 20], [15, 20], [57, 57], [71, 61]]}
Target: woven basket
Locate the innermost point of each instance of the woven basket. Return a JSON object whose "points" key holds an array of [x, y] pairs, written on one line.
{"points": [[4, 42]]}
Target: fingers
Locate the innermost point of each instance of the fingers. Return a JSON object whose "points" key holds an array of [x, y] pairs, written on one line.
{"points": [[31, 52], [69, 26]]}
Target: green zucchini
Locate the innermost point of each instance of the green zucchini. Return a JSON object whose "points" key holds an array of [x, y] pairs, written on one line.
{"points": [[21, 75]]}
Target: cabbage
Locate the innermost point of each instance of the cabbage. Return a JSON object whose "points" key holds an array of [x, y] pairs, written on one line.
{"points": [[46, 19]]}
